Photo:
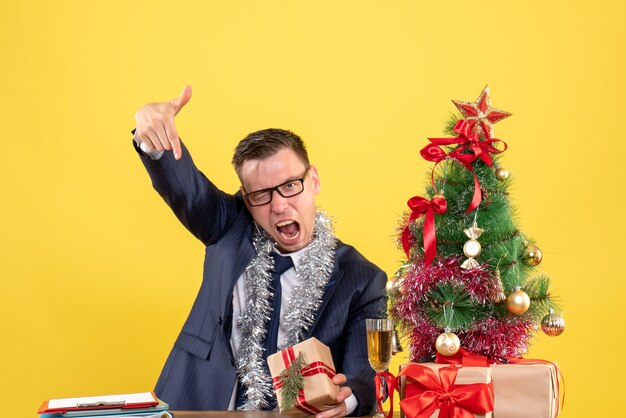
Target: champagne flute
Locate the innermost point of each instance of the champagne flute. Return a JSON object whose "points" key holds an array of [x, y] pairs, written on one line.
{"points": [[379, 338]]}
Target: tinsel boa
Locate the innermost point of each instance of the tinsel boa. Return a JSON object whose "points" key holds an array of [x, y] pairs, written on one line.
{"points": [[313, 273]]}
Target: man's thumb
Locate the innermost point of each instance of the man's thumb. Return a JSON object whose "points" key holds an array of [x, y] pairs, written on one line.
{"points": [[181, 100]]}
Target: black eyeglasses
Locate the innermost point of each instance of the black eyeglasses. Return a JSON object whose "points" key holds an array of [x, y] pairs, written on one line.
{"points": [[287, 189]]}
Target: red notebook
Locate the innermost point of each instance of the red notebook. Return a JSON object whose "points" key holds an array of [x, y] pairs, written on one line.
{"points": [[86, 403]]}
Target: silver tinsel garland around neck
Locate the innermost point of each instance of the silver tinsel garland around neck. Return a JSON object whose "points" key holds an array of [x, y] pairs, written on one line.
{"points": [[313, 273]]}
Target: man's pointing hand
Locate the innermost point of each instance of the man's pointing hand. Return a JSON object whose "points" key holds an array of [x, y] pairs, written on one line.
{"points": [[155, 125]]}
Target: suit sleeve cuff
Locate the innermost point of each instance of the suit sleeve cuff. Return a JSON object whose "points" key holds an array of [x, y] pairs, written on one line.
{"points": [[145, 150], [351, 404]]}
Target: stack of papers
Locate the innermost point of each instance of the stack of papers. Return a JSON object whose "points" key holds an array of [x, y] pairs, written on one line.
{"points": [[144, 405]]}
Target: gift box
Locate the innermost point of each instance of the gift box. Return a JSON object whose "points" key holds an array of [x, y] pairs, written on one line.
{"points": [[302, 376], [431, 389], [528, 389], [522, 388]]}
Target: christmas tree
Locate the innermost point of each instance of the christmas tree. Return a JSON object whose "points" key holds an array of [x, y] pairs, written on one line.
{"points": [[470, 279]]}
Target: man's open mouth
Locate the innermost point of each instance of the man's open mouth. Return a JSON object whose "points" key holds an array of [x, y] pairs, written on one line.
{"points": [[289, 229]]}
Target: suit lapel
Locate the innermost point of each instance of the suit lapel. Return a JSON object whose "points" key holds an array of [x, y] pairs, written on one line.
{"points": [[244, 253], [335, 279]]}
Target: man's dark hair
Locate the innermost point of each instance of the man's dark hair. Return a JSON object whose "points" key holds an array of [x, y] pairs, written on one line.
{"points": [[265, 143]]}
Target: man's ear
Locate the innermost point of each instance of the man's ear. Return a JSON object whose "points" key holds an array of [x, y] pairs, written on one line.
{"points": [[315, 179]]}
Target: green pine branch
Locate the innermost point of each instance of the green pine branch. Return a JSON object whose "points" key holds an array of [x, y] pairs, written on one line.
{"points": [[538, 290], [449, 306], [292, 381], [453, 118]]}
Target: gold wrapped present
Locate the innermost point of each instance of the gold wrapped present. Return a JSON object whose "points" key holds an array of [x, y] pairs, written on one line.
{"points": [[302, 376], [527, 389]]}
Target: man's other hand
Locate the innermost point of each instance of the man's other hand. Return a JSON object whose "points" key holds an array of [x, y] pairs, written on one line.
{"points": [[155, 123], [342, 395]]}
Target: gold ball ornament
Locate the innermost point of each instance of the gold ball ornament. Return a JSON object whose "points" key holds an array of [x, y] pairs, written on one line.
{"points": [[532, 255], [518, 301], [392, 286], [553, 324], [502, 173], [447, 343]]}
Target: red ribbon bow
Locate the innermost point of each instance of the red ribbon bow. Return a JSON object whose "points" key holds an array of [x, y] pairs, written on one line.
{"points": [[434, 153], [316, 367], [392, 386], [420, 206], [467, 141], [470, 141], [434, 392]]}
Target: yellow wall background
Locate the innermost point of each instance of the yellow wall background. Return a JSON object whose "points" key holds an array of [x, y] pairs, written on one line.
{"points": [[97, 276]]}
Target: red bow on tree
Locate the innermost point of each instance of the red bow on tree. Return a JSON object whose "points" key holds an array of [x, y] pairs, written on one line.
{"points": [[469, 140], [434, 153], [420, 206]]}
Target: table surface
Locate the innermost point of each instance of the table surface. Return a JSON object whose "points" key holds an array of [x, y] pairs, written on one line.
{"points": [[234, 414]]}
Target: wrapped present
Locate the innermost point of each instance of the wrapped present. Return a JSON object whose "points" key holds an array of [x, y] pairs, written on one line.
{"points": [[447, 391], [529, 388], [302, 376], [522, 388]]}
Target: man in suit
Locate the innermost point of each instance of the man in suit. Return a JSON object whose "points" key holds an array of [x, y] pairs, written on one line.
{"points": [[274, 274]]}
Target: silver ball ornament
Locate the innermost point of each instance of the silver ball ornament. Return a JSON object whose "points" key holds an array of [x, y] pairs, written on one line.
{"points": [[553, 324]]}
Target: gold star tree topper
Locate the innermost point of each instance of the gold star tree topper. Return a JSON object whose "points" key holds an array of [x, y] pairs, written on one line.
{"points": [[480, 115]]}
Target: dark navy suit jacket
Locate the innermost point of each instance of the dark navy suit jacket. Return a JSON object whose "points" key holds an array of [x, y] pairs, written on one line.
{"points": [[199, 373]]}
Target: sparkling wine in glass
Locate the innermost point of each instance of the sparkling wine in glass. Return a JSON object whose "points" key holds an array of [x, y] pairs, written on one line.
{"points": [[379, 338]]}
